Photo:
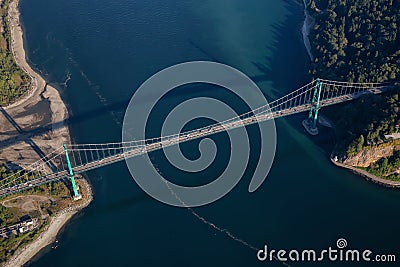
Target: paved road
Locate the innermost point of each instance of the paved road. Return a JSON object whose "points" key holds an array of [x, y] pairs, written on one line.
{"points": [[180, 139]]}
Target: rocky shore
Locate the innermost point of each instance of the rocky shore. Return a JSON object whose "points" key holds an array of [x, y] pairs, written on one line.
{"points": [[372, 155], [368, 176]]}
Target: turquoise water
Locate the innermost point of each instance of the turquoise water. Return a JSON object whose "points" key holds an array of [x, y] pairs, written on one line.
{"points": [[99, 52]]}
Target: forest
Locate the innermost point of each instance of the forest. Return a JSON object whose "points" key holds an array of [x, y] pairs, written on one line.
{"points": [[13, 81], [386, 167], [365, 122], [358, 41]]}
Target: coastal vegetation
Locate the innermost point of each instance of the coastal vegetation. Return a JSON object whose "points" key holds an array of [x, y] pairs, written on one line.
{"points": [[387, 167], [50, 205], [58, 188], [358, 41], [14, 82], [9, 246], [39, 202], [364, 123], [19, 175]]}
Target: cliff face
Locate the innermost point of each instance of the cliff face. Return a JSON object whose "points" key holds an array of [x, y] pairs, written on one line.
{"points": [[368, 156]]}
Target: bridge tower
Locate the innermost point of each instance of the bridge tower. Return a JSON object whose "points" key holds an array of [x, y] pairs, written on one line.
{"points": [[311, 123], [71, 175], [313, 115]]}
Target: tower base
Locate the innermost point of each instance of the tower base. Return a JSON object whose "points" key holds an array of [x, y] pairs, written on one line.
{"points": [[308, 125], [76, 198]]}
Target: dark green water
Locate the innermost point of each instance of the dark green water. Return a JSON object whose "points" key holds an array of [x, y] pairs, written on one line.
{"points": [[105, 50]]}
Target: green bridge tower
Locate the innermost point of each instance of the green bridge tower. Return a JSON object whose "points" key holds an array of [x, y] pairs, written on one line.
{"points": [[310, 124], [313, 115], [71, 175]]}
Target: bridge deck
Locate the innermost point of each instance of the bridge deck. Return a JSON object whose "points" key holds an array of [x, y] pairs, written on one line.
{"points": [[184, 137]]}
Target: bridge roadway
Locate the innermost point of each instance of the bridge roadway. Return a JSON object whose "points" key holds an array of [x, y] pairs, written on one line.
{"points": [[180, 139]]}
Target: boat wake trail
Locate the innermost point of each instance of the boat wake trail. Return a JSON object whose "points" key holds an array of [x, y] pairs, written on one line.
{"points": [[217, 228], [222, 230]]}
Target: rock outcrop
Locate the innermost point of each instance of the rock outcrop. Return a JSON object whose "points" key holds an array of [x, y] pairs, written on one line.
{"points": [[368, 156]]}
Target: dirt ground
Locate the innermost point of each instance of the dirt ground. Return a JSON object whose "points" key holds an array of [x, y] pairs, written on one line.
{"points": [[27, 203]]}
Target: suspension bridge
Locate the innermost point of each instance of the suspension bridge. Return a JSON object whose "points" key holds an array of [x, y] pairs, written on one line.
{"points": [[72, 159]]}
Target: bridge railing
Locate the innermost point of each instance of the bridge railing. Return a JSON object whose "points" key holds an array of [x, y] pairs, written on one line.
{"points": [[82, 154]]}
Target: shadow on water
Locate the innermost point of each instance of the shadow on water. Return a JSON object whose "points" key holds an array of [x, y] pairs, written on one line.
{"points": [[26, 135], [271, 69], [285, 67], [205, 52], [287, 70], [255, 78]]}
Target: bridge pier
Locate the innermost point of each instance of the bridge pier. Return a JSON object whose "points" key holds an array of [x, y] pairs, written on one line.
{"points": [[76, 196], [308, 125]]}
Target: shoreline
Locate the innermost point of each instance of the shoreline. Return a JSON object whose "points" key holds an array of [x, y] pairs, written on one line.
{"points": [[41, 106], [39, 85], [308, 23], [48, 235], [56, 110], [368, 176]]}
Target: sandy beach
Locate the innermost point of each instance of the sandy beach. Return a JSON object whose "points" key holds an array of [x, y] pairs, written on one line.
{"points": [[41, 108], [34, 122]]}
